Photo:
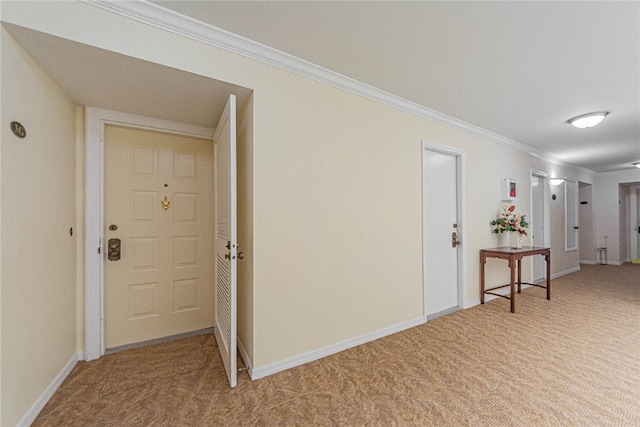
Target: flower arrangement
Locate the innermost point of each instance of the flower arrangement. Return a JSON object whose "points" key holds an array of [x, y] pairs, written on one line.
{"points": [[510, 221]]}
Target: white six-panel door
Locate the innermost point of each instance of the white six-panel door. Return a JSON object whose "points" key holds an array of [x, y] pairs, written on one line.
{"points": [[226, 243], [159, 209]]}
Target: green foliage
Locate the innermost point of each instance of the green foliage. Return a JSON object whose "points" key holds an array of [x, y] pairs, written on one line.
{"points": [[510, 221]]}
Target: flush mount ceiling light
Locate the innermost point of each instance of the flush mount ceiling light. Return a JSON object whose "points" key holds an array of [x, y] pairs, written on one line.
{"points": [[588, 120], [636, 164]]}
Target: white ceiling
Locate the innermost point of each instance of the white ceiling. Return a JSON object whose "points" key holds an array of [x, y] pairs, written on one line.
{"points": [[519, 69], [103, 79]]}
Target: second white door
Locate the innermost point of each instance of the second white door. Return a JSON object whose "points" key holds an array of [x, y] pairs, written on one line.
{"points": [[442, 227], [537, 226]]}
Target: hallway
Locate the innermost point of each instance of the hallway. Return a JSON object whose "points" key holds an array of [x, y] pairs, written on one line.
{"points": [[569, 361]]}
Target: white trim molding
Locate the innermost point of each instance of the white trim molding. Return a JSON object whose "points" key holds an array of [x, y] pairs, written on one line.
{"points": [[546, 211], [157, 16], [245, 357], [311, 356], [96, 119], [31, 415], [565, 272]]}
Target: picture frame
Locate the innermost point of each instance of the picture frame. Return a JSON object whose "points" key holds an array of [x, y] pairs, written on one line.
{"points": [[509, 189]]}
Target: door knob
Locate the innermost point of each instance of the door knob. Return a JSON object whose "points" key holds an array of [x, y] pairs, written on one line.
{"points": [[240, 255], [454, 240]]}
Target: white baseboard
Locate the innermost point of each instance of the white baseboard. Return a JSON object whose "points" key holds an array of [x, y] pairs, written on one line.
{"points": [[42, 400], [245, 357], [607, 263], [168, 338], [588, 262], [300, 359], [565, 272]]}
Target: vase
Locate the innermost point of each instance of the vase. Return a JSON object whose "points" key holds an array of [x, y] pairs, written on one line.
{"points": [[515, 240]]}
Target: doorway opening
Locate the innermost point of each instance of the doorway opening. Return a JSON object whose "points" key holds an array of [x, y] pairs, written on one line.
{"points": [[587, 238], [95, 238], [539, 222], [634, 223], [629, 223], [159, 233]]}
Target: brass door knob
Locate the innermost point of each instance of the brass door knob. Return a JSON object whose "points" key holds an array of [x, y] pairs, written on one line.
{"points": [[240, 255]]}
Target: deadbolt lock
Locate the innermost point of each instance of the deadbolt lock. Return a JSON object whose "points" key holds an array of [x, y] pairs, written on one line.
{"points": [[113, 249]]}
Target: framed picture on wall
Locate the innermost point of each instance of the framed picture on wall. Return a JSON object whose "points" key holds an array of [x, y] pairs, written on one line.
{"points": [[509, 189]]}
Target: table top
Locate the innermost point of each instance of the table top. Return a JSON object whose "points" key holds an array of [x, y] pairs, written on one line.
{"points": [[509, 250]]}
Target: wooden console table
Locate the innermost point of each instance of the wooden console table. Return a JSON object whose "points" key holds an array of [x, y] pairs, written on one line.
{"points": [[512, 255]]}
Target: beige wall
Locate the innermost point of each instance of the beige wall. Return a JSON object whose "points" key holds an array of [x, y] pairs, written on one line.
{"points": [[38, 254], [337, 238], [331, 204]]}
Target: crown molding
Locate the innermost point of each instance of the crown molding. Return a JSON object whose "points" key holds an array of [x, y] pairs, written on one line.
{"points": [[160, 17]]}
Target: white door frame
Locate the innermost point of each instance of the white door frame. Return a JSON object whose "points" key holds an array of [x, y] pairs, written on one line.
{"points": [[573, 219], [460, 176], [546, 210], [95, 121], [634, 222]]}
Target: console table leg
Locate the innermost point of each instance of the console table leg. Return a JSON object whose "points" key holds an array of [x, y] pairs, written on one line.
{"points": [[482, 260], [548, 259], [513, 285]]}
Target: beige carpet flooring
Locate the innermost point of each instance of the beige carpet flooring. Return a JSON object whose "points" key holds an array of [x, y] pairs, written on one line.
{"points": [[571, 361]]}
